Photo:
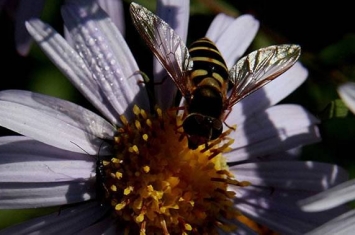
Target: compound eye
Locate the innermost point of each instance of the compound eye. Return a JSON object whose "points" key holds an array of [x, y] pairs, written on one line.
{"points": [[192, 125], [216, 129], [217, 124], [199, 118], [195, 124]]}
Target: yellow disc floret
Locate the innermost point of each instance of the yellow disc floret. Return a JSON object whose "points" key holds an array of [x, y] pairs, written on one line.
{"points": [[157, 185]]}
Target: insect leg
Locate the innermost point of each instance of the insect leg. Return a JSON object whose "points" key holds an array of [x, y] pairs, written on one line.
{"points": [[229, 110]]}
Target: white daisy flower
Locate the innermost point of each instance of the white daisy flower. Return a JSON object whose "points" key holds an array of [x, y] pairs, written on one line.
{"points": [[130, 170]]}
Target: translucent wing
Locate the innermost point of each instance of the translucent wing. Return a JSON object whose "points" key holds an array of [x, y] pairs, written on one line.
{"points": [[165, 44], [260, 67]]}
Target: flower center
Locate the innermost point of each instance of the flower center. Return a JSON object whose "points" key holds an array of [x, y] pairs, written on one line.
{"points": [[158, 185]]}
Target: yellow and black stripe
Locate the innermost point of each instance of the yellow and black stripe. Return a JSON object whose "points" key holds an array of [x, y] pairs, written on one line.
{"points": [[209, 79], [207, 63]]}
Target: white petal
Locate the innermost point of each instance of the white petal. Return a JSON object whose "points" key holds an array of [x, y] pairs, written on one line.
{"points": [[282, 201], [104, 227], [280, 223], [333, 197], [71, 65], [347, 93], [106, 54], [272, 92], [308, 176], [288, 155], [25, 10], [114, 8], [342, 225], [277, 207], [65, 221], [26, 160], [176, 14], [219, 24], [234, 40], [33, 195], [277, 129], [54, 121]]}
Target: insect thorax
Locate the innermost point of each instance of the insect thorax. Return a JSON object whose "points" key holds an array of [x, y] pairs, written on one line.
{"points": [[206, 100]]}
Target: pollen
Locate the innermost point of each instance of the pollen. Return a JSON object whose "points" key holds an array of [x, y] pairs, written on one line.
{"points": [[157, 185]]}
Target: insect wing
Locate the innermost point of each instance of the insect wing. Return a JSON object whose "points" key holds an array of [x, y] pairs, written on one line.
{"points": [[260, 67], [165, 44]]}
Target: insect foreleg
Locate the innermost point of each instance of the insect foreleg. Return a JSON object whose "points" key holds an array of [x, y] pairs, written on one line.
{"points": [[228, 111]]}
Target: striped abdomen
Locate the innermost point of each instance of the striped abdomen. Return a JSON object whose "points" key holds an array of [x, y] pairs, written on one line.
{"points": [[209, 77], [207, 63]]}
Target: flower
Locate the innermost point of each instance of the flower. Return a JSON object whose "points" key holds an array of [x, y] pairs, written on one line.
{"points": [[346, 92], [130, 170], [340, 194], [25, 10]]}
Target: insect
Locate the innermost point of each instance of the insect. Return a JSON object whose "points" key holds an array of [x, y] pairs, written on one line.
{"points": [[201, 74], [102, 191]]}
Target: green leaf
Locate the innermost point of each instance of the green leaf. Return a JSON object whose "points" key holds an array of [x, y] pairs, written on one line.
{"points": [[335, 109], [337, 53], [11, 217]]}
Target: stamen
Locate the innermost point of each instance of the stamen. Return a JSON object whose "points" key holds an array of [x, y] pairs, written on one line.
{"points": [[145, 137], [120, 206], [149, 123], [128, 190], [136, 110], [138, 125], [157, 185], [143, 114], [118, 175], [160, 113], [113, 188], [124, 120], [142, 230], [146, 169]]}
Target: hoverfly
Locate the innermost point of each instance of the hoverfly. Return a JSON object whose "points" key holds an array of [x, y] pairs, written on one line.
{"points": [[201, 74]]}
